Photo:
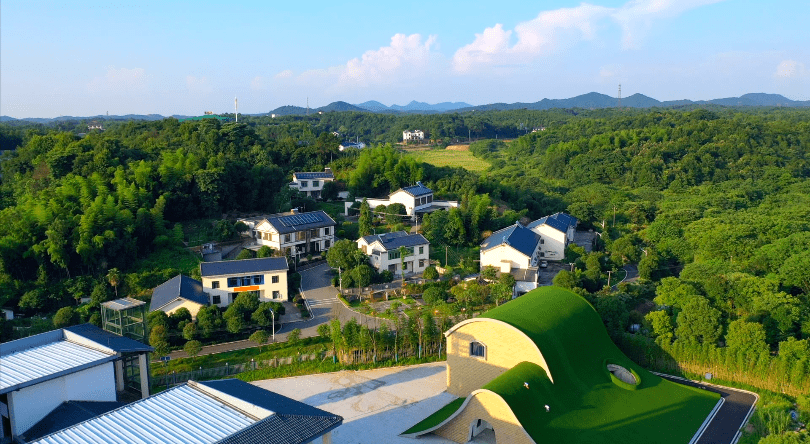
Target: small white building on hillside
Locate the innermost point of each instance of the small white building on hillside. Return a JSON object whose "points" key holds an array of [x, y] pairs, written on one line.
{"points": [[384, 252], [417, 199], [311, 183], [413, 135], [556, 232]]}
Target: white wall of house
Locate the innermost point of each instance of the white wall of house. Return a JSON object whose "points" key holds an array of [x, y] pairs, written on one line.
{"points": [[504, 258], [311, 187], [411, 203], [413, 135], [179, 303], [553, 242], [273, 286], [415, 263], [30, 404]]}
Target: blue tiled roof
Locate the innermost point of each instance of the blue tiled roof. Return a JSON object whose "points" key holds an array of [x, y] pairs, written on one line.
{"points": [[301, 222], [222, 268], [416, 190], [178, 287], [517, 236], [314, 175], [117, 343], [284, 429], [558, 221], [392, 241]]}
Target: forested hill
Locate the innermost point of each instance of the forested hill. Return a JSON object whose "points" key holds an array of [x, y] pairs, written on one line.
{"points": [[718, 200]]}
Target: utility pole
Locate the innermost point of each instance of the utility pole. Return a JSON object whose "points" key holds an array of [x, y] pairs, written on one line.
{"points": [[445, 257], [614, 215], [620, 96], [609, 271]]}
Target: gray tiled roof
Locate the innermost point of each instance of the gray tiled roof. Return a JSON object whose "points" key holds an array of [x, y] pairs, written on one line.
{"points": [[416, 190], [301, 222], [294, 422], [392, 241], [178, 287], [244, 266], [517, 236]]}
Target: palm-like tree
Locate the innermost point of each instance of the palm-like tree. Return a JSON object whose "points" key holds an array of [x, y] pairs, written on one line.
{"points": [[114, 277]]}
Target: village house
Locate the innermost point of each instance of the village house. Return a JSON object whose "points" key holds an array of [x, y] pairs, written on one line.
{"points": [[297, 234], [266, 277], [311, 183], [384, 252]]}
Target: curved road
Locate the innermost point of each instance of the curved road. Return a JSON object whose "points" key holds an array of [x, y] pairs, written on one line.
{"points": [[731, 417]]}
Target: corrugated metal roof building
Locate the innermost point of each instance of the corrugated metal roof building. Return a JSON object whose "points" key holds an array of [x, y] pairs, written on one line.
{"points": [[227, 411]]}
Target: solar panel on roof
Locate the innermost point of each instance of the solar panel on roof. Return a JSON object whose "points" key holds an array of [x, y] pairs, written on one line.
{"points": [[299, 219]]}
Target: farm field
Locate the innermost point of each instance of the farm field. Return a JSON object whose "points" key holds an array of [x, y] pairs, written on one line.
{"points": [[451, 158]]}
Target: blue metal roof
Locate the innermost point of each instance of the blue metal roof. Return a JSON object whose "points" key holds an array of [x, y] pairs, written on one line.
{"points": [[301, 222], [517, 236], [558, 221], [392, 241], [178, 287], [314, 175], [416, 190], [225, 268]]}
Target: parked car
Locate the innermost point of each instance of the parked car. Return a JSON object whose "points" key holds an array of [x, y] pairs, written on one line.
{"points": [[543, 264]]}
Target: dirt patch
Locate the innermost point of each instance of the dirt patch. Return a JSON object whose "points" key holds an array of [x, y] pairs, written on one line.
{"points": [[458, 147]]}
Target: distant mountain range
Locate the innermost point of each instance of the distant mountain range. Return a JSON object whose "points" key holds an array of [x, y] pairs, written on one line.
{"points": [[591, 100]]}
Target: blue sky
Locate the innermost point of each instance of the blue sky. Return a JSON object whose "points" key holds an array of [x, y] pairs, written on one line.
{"points": [[183, 57]]}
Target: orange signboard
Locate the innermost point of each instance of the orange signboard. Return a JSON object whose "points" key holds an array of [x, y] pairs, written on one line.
{"points": [[248, 288]]}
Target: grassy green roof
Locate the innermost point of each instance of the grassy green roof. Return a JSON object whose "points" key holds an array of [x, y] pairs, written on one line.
{"points": [[585, 405], [436, 418]]}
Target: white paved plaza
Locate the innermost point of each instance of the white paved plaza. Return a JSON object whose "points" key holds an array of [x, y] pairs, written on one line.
{"points": [[376, 405]]}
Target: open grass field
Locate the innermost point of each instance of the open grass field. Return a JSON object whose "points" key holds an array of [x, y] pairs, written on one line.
{"points": [[451, 158]]}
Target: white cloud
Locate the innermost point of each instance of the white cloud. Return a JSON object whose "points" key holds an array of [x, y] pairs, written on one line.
{"points": [[199, 85], [287, 73], [790, 69], [556, 29], [406, 54], [637, 17], [257, 84], [119, 80]]}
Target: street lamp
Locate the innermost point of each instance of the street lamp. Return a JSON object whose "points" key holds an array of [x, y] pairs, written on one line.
{"points": [[273, 320]]}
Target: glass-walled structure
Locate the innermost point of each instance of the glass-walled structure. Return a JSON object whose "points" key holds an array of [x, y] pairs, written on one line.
{"points": [[125, 317]]}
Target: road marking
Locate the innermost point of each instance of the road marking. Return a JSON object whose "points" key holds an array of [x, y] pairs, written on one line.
{"points": [[321, 302]]}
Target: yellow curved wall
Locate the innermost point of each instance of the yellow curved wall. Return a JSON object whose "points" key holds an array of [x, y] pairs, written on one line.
{"points": [[506, 347], [491, 408]]}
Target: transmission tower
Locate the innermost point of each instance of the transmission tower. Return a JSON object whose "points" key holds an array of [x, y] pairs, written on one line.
{"points": [[620, 95]]}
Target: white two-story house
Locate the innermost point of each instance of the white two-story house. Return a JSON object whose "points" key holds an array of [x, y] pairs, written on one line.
{"points": [[383, 250], [417, 199], [556, 232], [299, 234], [413, 135], [311, 183], [223, 280], [514, 247]]}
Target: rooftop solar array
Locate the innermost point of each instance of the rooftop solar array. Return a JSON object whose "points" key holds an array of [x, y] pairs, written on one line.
{"points": [[318, 175], [300, 219]]}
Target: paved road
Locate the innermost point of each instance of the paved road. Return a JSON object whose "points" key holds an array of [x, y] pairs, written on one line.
{"points": [[318, 290], [730, 418]]}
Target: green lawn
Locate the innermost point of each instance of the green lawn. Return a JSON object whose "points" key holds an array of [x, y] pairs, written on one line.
{"points": [[451, 158], [436, 418]]}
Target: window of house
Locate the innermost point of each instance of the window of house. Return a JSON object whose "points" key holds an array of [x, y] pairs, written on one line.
{"points": [[405, 265], [326, 244], [478, 349], [313, 232], [542, 241], [326, 231], [214, 284], [276, 295], [245, 280], [287, 238], [233, 282], [392, 268], [393, 255], [231, 297], [421, 263], [542, 254], [216, 300], [258, 279], [421, 250], [315, 183], [274, 279], [304, 184]]}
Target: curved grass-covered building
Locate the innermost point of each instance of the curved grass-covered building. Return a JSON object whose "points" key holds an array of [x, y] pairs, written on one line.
{"points": [[542, 368]]}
